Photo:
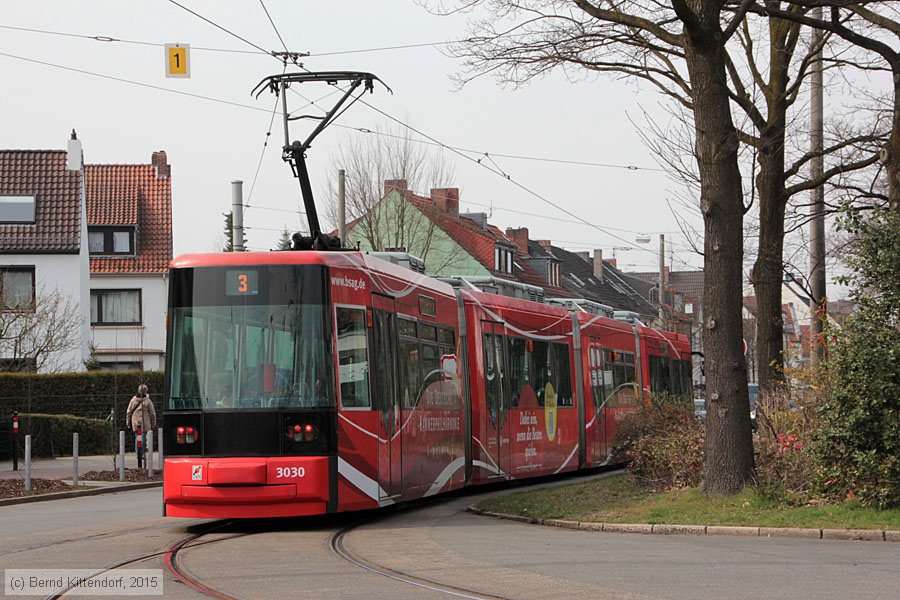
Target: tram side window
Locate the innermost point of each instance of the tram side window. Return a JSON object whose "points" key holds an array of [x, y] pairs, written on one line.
{"points": [[518, 367], [623, 378], [660, 379], [431, 363], [540, 367], [353, 358], [410, 375], [561, 379], [383, 358], [493, 371]]}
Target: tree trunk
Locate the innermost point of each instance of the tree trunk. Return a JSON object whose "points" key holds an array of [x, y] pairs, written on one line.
{"points": [[728, 461], [769, 267]]}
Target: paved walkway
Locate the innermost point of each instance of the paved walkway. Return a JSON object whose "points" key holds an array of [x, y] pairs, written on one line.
{"points": [[61, 468]]}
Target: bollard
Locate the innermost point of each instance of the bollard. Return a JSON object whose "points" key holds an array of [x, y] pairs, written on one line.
{"points": [[139, 443], [14, 441], [74, 460], [150, 454], [159, 442], [28, 463], [121, 456]]}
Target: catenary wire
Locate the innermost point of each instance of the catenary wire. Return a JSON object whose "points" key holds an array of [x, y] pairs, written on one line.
{"points": [[256, 108], [280, 39], [216, 25], [109, 39], [132, 82], [498, 171]]}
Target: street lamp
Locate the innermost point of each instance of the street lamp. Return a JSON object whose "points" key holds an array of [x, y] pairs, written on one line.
{"points": [[661, 290]]}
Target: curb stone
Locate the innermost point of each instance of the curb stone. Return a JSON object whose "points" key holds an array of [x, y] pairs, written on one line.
{"points": [[872, 535], [78, 493], [790, 532], [867, 535]]}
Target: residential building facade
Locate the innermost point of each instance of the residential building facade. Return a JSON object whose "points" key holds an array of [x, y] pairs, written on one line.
{"points": [[84, 252]]}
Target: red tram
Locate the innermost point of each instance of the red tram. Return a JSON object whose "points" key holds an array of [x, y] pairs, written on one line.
{"points": [[303, 383]]}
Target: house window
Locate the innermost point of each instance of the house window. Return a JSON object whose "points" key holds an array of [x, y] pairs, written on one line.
{"points": [[121, 366], [115, 307], [17, 288], [16, 209], [18, 365], [503, 261], [111, 240], [553, 273]]}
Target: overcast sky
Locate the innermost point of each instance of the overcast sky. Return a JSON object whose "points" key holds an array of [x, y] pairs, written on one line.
{"points": [[210, 144]]}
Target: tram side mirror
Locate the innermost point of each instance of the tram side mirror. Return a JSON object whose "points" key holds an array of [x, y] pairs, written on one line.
{"points": [[269, 378]]}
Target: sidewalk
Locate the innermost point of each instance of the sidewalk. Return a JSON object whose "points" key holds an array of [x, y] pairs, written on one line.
{"points": [[61, 468]]}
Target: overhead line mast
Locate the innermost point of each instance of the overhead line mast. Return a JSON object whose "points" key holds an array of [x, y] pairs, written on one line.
{"points": [[294, 152]]}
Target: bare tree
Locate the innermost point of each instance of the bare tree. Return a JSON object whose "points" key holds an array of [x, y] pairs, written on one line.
{"points": [[381, 169], [768, 62], [680, 48], [873, 26], [39, 337]]}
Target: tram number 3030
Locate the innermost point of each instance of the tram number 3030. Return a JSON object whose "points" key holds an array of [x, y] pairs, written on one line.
{"points": [[289, 472]]}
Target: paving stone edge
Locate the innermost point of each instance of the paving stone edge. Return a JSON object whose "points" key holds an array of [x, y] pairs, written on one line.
{"points": [[77, 493], [871, 535]]}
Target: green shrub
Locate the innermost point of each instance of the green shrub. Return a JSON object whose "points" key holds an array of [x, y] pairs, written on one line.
{"points": [[857, 444], [51, 435], [663, 443]]}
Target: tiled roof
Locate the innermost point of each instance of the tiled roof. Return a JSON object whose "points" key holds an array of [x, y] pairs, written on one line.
{"points": [[465, 232], [132, 195], [688, 283], [57, 191], [577, 277]]}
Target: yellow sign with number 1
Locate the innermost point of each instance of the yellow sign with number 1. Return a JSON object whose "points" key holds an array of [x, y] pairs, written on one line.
{"points": [[178, 60]]}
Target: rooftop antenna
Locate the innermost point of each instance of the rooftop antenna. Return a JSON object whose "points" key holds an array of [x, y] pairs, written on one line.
{"points": [[294, 152]]}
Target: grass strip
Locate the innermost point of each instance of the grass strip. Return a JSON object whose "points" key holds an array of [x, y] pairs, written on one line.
{"points": [[618, 499]]}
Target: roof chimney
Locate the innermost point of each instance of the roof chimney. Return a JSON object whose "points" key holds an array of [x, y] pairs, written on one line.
{"points": [[598, 264], [446, 200], [611, 262], [394, 184], [160, 164], [545, 244], [583, 255], [519, 237], [74, 155]]}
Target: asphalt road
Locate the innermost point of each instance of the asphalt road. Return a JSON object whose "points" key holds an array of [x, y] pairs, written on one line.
{"points": [[443, 544]]}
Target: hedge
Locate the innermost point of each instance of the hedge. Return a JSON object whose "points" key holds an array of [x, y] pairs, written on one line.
{"points": [[51, 435], [93, 394]]}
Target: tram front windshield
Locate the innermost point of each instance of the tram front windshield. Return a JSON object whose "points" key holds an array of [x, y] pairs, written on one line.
{"points": [[241, 354]]}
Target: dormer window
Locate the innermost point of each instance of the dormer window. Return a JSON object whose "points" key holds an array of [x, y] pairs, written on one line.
{"points": [[111, 240], [553, 273], [503, 260], [17, 209]]}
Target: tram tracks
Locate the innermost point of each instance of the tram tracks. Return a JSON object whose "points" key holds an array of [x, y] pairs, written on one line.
{"points": [[339, 548], [171, 559]]}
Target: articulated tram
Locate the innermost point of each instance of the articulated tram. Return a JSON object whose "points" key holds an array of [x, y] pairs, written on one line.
{"points": [[307, 382]]}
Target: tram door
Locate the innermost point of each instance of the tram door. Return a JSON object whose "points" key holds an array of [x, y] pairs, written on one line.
{"points": [[384, 343], [497, 395], [601, 383]]}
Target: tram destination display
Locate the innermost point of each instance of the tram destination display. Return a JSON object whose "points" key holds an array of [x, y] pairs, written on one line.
{"points": [[244, 282]]}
